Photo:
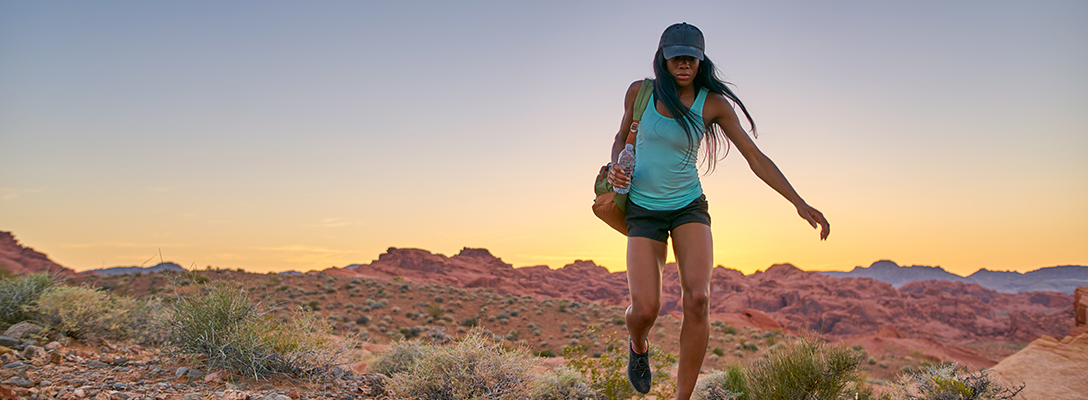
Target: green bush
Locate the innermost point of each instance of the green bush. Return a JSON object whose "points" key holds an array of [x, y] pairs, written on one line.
{"points": [[562, 383], [398, 358], [607, 374], [477, 367], [948, 382], [808, 369], [723, 385], [19, 295], [222, 326], [82, 313]]}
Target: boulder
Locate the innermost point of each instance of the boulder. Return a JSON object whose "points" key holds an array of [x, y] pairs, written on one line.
{"points": [[1048, 369], [22, 330]]}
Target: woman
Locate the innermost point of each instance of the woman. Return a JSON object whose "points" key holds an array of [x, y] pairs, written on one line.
{"points": [[689, 105]]}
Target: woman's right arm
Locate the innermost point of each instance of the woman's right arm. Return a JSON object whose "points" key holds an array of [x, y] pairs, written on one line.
{"points": [[615, 175]]}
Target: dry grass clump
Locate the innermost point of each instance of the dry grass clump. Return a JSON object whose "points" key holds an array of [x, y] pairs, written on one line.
{"points": [[222, 326], [562, 383], [474, 367], [83, 313], [803, 369], [398, 358], [19, 295], [948, 382]]}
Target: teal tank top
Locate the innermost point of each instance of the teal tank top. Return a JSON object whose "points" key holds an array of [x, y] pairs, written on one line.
{"points": [[666, 177]]}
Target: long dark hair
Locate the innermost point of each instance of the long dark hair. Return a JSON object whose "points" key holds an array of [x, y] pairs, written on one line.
{"points": [[665, 90]]}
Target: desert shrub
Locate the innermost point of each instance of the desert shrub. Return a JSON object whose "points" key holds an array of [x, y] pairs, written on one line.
{"points": [[808, 369], [729, 384], [475, 367], [82, 312], [561, 383], [607, 374], [948, 382], [19, 294], [229, 332]]}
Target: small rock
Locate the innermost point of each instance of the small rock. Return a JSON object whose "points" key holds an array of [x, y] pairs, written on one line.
{"points": [[55, 358], [119, 386], [120, 361], [275, 397], [231, 386], [21, 330], [45, 383], [34, 353], [97, 364], [267, 387], [9, 341], [181, 372], [16, 364], [52, 346], [195, 374], [215, 377], [6, 350], [22, 382], [79, 392], [192, 396]]}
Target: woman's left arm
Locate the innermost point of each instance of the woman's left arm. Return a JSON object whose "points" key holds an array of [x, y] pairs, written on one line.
{"points": [[719, 111]]}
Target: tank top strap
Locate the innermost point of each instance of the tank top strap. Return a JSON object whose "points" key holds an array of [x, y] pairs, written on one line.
{"points": [[700, 99]]}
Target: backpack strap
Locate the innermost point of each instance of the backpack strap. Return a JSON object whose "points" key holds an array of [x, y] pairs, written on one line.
{"points": [[641, 100]]}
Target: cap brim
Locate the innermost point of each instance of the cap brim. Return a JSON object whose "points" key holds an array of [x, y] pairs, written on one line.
{"points": [[677, 51]]}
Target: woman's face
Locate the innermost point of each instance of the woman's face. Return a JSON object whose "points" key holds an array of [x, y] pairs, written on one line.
{"points": [[683, 68]]}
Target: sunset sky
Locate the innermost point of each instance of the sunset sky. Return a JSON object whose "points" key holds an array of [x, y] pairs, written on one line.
{"points": [[276, 136]]}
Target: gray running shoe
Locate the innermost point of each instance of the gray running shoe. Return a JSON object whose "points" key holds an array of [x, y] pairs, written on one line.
{"points": [[638, 369]]}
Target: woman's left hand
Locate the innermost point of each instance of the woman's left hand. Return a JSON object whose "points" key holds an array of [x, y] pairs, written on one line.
{"points": [[814, 218]]}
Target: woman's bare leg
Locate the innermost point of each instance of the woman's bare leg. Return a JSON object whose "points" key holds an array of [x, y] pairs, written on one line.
{"points": [[694, 249], [645, 261]]}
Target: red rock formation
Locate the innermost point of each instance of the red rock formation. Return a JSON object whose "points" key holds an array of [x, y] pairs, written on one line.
{"points": [[1048, 369], [796, 300], [1080, 311], [24, 260]]}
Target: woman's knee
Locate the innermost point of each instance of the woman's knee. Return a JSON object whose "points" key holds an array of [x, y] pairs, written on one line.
{"points": [[697, 302], [645, 311]]}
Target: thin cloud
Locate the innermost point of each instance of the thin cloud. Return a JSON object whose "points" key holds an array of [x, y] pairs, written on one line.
{"points": [[330, 223], [11, 193], [121, 245]]}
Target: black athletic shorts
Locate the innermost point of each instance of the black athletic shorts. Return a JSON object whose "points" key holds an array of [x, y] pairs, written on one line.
{"points": [[657, 225]]}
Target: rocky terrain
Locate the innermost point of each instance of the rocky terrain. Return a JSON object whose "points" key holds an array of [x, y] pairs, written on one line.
{"points": [[411, 293]]}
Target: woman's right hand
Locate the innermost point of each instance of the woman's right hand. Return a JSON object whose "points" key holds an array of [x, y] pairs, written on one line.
{"points": [[617, 178]]}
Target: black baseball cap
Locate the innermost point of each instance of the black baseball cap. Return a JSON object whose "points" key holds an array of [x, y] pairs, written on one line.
{"points": [[682, 39]]}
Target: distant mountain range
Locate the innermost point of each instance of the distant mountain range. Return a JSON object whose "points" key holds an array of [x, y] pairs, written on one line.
{"points": [[1062, 279], [166, 266]]}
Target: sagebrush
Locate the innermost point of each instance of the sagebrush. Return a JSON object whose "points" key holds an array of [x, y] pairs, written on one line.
{"points": [[476, 367], [562, 383], [19, 295], [607, 374], [229, 332], [82, 313], [949, 382]]}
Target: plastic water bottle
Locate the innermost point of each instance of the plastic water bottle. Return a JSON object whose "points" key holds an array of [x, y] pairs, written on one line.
{"points": [[626, 162]]}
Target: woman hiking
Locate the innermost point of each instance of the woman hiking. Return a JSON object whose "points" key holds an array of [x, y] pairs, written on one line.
{"points": [[689, 105]]}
